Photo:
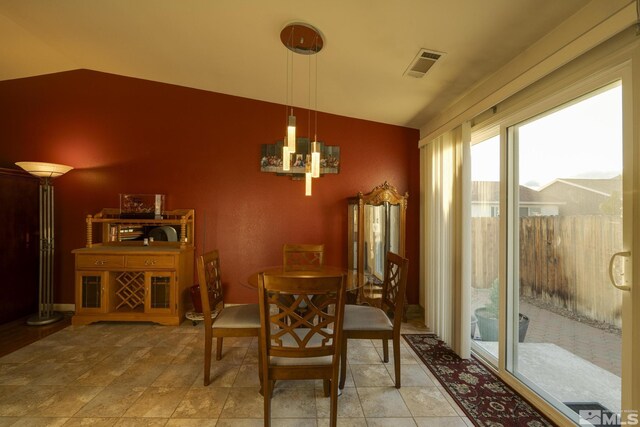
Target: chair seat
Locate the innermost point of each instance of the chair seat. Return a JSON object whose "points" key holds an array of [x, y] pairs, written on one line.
{"points": [[238, 316], [297, 361], [365, 318]]}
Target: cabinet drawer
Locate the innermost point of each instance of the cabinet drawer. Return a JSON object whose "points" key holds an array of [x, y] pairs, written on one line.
{"points": [[153, 261], [99, 261]]}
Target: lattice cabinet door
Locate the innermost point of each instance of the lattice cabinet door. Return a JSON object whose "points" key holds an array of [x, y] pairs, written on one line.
{"points": [[160, 296], [129, 291], [90, 291]]}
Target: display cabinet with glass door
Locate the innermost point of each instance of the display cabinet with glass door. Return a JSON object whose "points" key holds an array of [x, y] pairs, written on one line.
{"points": [[376, 225]]}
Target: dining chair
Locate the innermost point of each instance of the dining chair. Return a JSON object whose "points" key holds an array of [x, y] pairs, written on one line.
{"points": [[368, 322], [231, 321], [308, 347], [302, 257]]}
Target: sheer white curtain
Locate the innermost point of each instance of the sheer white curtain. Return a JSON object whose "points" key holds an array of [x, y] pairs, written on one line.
{"points": [[445, 234]]}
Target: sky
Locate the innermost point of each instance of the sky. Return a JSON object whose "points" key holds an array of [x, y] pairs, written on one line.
{"points": [[583, 140]]}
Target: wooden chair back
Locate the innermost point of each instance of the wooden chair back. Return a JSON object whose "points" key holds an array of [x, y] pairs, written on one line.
{"points": [[301, 317], [219, 321], [210, 282], [369, 322], [301, 257], [394, 287], [301, 322]]}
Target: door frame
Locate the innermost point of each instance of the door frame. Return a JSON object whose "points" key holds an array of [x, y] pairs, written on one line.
{"points": [[618, 66], [508, 224]]}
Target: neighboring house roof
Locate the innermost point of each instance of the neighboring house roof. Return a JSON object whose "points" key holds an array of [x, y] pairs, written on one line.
{"points": [[583, 196], [530, 195], [603, 187]]}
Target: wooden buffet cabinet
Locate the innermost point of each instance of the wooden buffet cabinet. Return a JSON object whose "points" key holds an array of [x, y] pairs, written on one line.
{"points": [[122, 279]]}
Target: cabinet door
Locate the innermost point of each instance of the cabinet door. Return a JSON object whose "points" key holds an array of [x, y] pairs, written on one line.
{"points": [[90, 292], [160, 286], [377, 222], [19, 235]]}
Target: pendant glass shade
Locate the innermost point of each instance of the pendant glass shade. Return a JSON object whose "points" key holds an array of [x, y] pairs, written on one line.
{"points": [[44, 170], [307, 175], [307, 186], [286, 158], [315, 165], [315, 161], [291, 134]]}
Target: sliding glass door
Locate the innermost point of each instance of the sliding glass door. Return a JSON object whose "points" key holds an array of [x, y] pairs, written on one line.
{"points": [[564, 330], [485, 245]]}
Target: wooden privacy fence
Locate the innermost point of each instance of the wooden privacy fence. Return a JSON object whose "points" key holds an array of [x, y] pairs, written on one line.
{"points": [[564, 261]]}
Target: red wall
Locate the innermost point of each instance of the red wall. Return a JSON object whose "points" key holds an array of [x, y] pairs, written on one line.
{"points": [[201, 149]]}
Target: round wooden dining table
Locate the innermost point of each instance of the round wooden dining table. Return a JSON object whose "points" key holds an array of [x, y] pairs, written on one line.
{"points": [[319, 271]]}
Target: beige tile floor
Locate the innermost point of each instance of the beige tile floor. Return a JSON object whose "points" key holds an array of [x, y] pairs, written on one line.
{"points": [[128, 374]]}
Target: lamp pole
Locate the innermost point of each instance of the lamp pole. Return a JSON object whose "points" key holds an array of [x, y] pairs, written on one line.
{"points": [[45, 314]]}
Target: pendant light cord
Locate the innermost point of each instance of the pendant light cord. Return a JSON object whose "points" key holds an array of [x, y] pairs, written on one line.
{"points": [[309, 109], [637, 17], [315, 131], [291, 81], [289, 73], [286, 88]]}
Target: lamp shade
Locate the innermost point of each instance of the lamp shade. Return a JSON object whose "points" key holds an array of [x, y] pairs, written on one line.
{"points": [[44, 170]]}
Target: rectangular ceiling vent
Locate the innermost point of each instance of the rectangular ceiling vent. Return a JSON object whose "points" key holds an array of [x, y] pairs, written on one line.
{"points": [[423, 61]]}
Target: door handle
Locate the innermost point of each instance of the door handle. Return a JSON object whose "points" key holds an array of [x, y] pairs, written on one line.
{"points": [[625, 254]]}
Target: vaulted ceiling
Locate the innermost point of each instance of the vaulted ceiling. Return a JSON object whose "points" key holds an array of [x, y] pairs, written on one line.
{"points": [[233, 46]]}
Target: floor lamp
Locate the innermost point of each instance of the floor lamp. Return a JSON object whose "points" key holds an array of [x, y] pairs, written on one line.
{"points": [[46, 172]]}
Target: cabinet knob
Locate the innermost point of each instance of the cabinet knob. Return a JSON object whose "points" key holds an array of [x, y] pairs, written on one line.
{"points": [[100, 262], [150, 262]]}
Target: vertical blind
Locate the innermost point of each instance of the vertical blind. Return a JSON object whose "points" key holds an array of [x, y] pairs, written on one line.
{"points": [[445, 231]]}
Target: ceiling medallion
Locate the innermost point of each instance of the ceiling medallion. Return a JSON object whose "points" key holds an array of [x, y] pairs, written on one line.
{"points": [[302, 38]]}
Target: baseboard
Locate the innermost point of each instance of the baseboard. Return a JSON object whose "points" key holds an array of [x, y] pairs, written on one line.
{"points": [[64, 308], [411, 308]]}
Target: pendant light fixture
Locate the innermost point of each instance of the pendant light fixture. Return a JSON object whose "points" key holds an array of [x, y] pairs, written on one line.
{"points": [[302, 39]]}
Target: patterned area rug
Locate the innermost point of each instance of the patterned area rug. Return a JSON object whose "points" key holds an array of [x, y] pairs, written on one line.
{"points": [[486, 399]]}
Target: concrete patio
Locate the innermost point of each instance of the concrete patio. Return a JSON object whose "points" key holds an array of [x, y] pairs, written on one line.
{"points": [[598, 346], [571, 360]]}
